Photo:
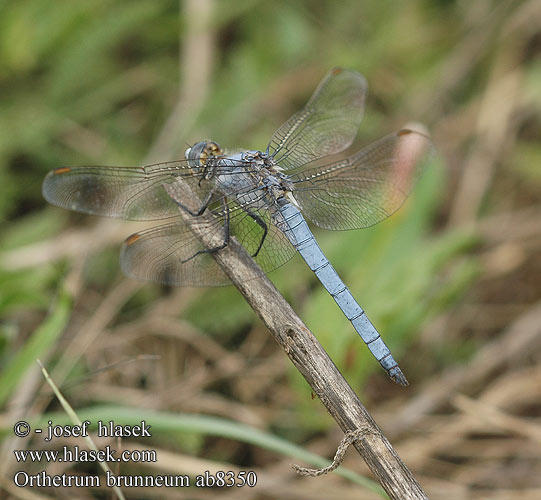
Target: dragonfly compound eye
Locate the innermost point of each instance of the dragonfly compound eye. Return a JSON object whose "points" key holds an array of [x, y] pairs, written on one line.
{"points": [[214, 148], [199, 153]]}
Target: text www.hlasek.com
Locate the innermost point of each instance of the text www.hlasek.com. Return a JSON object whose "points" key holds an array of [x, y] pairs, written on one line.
{"points": [[75, 454]]}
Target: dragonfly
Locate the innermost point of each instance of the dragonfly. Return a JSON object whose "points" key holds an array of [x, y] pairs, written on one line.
{"points": [[261, 198]]}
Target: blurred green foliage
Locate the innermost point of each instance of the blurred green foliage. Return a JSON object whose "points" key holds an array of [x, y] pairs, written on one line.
{"points": [[36, 346]]}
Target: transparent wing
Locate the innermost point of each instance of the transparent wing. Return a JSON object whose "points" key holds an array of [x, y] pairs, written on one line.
{"points": [[163, 255], [365, 188], [134, 193], [326, 125], [168, 254]]}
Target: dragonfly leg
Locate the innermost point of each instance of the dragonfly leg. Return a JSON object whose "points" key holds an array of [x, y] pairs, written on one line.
{"points": [[263, 226], [204, 205], [226, 236]]}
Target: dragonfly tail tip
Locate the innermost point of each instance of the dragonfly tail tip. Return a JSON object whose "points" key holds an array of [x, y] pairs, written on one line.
{"points": [[398, 377]]}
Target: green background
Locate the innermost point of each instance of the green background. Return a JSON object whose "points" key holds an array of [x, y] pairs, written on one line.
{"points": [[446, 279]]}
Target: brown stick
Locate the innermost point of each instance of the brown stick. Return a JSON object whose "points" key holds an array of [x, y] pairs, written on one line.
{"points": [[309, 357]]}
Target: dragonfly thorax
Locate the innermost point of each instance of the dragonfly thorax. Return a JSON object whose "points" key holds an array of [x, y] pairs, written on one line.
{"points": [[251, 178], [270, 176]]}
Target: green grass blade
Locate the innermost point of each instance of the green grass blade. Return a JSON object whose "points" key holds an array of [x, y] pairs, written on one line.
{"points": [[37, 345]]}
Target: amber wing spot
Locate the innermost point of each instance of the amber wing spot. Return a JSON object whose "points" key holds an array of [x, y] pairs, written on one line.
{"points": [[130, 240], [61, 170], [404, 131], [335, 71]]}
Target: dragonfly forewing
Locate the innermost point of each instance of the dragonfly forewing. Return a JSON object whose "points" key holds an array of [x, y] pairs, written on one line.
{"points": [[327, 124], [133, 193]]}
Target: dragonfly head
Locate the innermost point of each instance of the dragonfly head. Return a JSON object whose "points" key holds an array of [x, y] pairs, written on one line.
{"points": [[200, 153]]}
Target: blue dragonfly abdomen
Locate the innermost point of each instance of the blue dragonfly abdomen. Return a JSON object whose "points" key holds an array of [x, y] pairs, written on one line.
{"points": [[297, 231]]}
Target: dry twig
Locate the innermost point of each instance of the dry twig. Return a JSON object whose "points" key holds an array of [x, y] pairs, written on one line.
{"points": [[308, 356]]}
